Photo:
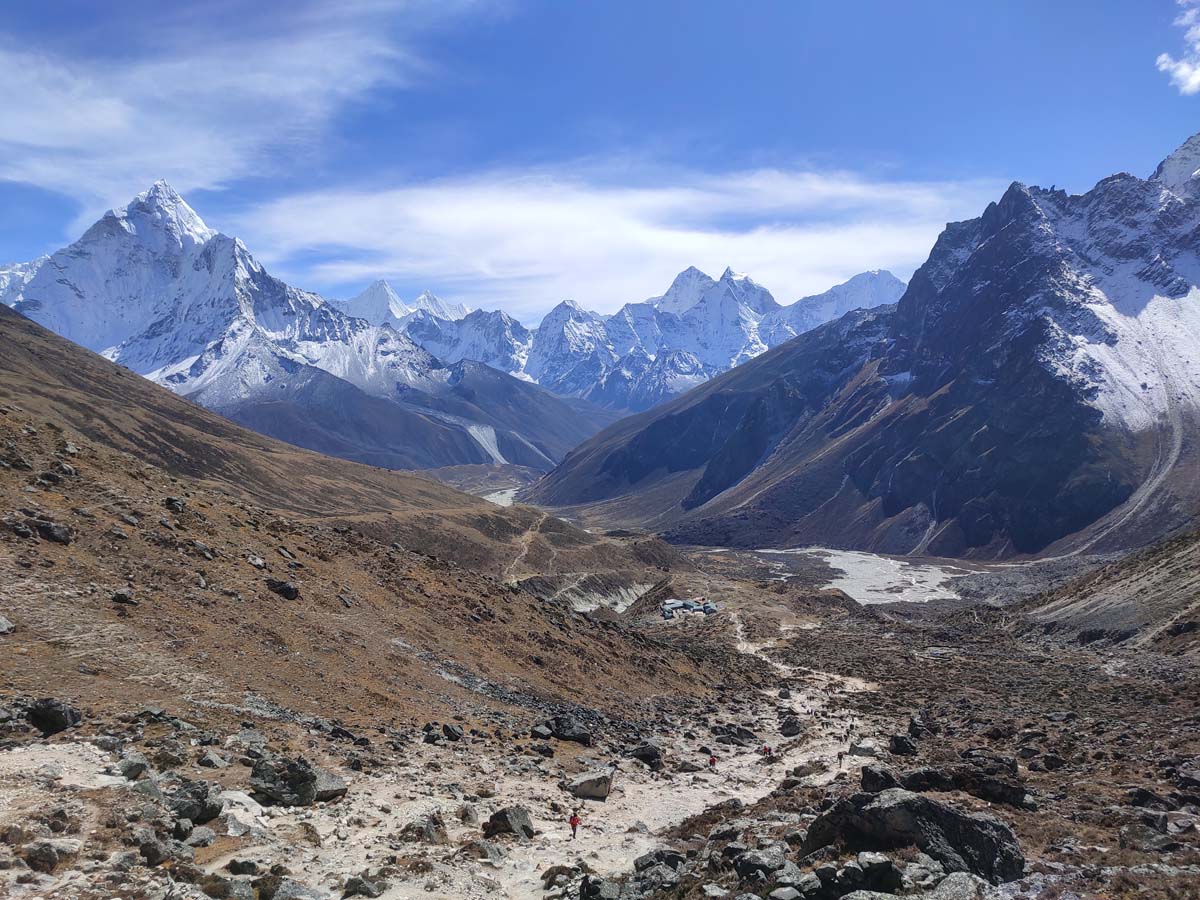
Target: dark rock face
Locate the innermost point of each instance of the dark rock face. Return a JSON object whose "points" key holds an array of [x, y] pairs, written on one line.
{"points": [[568, 728], [509, 820], [289, 782], [970, 780], [753, 862], [650, 754], [877, 778], [902, 745], [288, 590], [961, 842], [55, 532], [51, 716], [197, 801]]}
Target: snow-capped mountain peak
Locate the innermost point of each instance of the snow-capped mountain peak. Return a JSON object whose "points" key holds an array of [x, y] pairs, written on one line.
{"points": [[379, 304], [160, 216], [1180, 172], [436, 306], [688, 288], [749, 292]]}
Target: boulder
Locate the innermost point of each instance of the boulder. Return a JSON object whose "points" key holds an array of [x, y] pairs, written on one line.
{"points": [[735, 735], [153, 849], [452, 732], [198, 801], [294, 890], [288, 590], [593, 888], [969, 779], [55, 532], [568, 728], [919, 726], [752, 862], [360, 886], [50, 716], [430, 829], [6, 627], [133, 765], [955, 886], [288, 782], [48, 855], [865, 747], [990, 762], [961, 842], [902, 745], [211, 759], [329, 786], [877, 778], [1147, 840], [670, 858], [485, 851], [791, 726], [650, 754], [509, 820], [591, 785]]}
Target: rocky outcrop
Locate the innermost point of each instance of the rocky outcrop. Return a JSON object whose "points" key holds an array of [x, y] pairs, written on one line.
{"points": [[50, 716], [590, 785], [961, 842], [293, 782], [513, 820], [973, 780]]}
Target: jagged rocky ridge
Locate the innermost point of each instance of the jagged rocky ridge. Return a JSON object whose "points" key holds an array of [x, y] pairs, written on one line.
{"points": [[152, 287], [1035, 389]]}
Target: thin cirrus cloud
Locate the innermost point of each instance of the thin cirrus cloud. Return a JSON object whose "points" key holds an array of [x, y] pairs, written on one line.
{"points": [[524, 240], [198, 102], [1184, 72]]}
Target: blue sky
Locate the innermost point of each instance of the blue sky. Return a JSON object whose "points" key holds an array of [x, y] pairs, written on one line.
{"points": [[516, 153]]}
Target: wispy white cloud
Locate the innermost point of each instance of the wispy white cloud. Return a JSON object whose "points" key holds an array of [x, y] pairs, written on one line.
{"points": [[202, 102], [524, 240], [1184, 72]]}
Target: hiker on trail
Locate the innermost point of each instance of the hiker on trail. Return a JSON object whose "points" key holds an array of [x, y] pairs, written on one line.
{"points": [[841, 756], [712, 763], [574, 822]]}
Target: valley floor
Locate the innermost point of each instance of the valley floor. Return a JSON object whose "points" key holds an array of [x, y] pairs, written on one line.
{"points": [[1102, 739], [174, 725]]}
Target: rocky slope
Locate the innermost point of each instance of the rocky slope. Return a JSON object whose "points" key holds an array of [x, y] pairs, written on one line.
{"points": [[1150, 599], [153, 288], [1035, 390]]}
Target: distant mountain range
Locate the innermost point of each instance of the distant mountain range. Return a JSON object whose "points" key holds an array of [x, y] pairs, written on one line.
{"points": [[1036, 389], [640, 355], [152, 287], [378, 380]]}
